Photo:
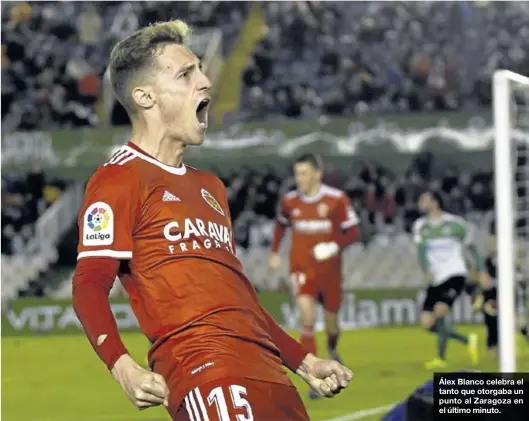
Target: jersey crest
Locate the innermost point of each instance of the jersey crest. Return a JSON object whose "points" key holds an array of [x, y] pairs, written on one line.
{"points": [[323, 210], [211, 201]]}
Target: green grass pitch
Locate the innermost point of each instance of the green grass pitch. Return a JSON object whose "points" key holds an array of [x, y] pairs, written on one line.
{"points": [[60, 378]]}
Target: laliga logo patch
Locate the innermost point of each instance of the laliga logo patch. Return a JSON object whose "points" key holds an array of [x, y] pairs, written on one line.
{"points": [[98, 227], [211, 201]]}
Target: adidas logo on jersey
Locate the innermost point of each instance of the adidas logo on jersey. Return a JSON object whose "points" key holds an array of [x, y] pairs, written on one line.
{"points": [[169, 197]]}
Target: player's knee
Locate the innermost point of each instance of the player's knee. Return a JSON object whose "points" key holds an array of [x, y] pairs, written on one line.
{"points": [[332, 330], [441, 309], [428, 322], [331, 323], [307, 316]]}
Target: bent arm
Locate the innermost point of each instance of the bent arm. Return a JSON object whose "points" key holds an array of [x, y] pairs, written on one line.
{"points": [[292, 352], [279, 233], [92, 282], [347, 222], [349, 236]]}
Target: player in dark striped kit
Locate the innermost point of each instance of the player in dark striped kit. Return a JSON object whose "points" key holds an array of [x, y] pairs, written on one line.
{"points": [[486, 301]]}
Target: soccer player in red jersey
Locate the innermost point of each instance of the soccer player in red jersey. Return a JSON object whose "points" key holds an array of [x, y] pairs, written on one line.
{"points": [[323, 223], [164, 229]]}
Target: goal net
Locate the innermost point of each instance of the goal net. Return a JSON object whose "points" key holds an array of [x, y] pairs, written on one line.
{"points": [[511, 156]]}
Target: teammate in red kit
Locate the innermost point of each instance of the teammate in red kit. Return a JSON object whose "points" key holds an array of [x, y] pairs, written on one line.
{"points": [[323, 222], [164, 229]]}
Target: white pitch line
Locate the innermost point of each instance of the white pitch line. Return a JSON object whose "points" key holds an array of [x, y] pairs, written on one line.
{"points": [[364, 413]]}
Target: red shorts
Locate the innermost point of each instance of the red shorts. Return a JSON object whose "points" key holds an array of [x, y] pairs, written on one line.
{"points": [[239, 398], [326, 290]]}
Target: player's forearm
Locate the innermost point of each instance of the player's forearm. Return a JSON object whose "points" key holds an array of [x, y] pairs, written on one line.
{"points": [[423, 258], [279, 233], [92, 282], [292, 353], [306, 365], [349, 236]]}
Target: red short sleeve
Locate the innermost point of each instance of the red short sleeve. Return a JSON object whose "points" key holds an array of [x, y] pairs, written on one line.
{"points": [[109, 214], [282, 212], [345, 216]]}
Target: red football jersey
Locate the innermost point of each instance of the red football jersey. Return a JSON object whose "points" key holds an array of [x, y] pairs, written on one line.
{"points": [[313, 220], [172, 228]]}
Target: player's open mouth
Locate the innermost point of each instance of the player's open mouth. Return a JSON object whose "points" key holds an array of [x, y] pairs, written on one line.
{"points": [[202, 112]]}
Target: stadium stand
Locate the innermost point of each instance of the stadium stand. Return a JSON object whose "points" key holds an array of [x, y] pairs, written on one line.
{"points": [[53, 58], [24, 199], [370, 57], [346, 58], [33, 220]]}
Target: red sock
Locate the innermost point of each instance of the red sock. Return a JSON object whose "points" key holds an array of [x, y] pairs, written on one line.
{"points": [[307, 340], [332, 341]]}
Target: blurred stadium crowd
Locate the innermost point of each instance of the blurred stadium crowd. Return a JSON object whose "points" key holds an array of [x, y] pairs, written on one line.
{"points": [[356, 57], [24, 199], [54, 58], [316, 58]]}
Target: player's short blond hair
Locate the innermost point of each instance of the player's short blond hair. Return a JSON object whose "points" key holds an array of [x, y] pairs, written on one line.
{"points": [[132, 57]]}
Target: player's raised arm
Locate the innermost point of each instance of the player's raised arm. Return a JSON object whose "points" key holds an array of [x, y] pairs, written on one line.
{"points": [[346, 230], [106, 225], [281, 224]]}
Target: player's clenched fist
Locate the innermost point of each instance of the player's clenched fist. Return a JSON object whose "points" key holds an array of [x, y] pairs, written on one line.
{"points": [[327, 377], [143, 387], [324, 251]]}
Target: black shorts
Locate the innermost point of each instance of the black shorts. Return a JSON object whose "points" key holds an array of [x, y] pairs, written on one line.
{"points": [[447, 292]]}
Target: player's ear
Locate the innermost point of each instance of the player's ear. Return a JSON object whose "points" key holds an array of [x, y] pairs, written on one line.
{"points": [[143, 97]]}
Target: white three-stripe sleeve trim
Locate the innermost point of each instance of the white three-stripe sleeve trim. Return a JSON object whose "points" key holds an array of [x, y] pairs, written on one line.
{"points": [[201, 405], [188, 409], [105, 253], [194, 406], [282, 220], [127, 159], [119, 155], [349, 223]]}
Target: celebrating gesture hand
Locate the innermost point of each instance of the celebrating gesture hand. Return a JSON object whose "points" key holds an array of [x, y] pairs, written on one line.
{"points": [[143, 387], [326, 377]]}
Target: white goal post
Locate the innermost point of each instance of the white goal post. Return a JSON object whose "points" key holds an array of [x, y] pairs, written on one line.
{"points": [[504, 85]]}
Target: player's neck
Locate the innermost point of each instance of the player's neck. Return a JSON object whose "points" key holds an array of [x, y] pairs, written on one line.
{"points": [[161, 147], [436, 214], [313, 191]]}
